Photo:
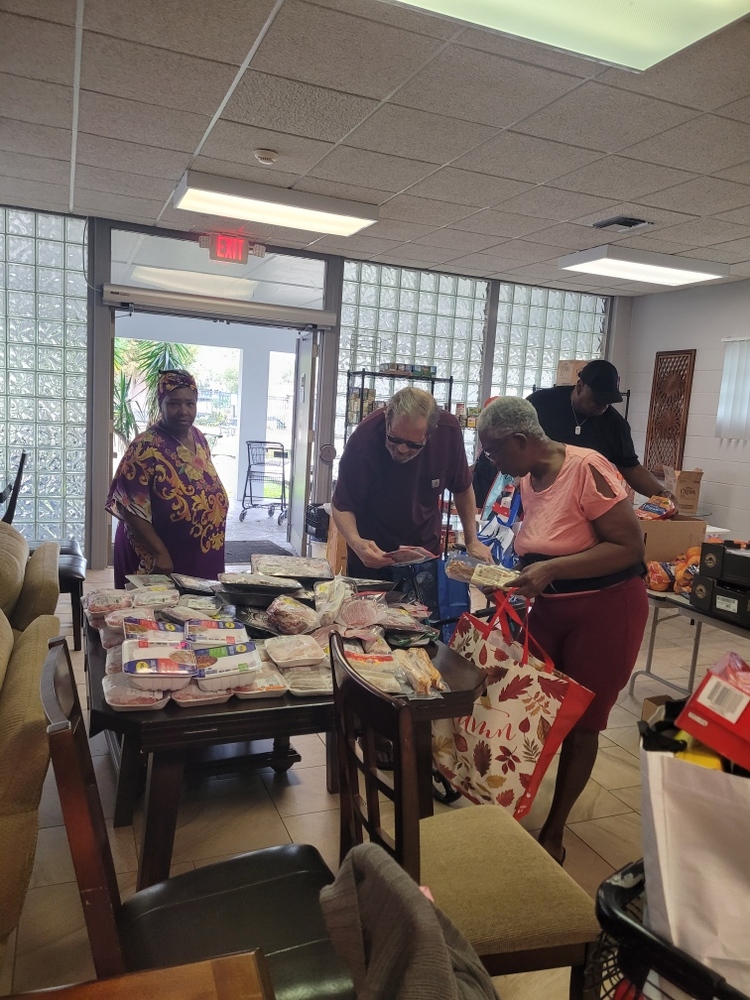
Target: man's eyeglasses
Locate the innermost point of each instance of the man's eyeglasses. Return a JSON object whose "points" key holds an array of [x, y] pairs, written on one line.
{"points": [[412, 445], [496, 446]]}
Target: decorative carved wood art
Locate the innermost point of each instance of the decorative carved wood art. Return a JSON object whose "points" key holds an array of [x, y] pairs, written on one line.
{"points": [[668, 413]]}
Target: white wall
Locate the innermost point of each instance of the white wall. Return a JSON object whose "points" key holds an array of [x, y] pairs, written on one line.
{"points": [[256, 344], [693, 318]]}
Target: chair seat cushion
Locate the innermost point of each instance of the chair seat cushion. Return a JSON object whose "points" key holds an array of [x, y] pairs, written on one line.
{"points": [[521, 900], [267, 899], [70, 568]]}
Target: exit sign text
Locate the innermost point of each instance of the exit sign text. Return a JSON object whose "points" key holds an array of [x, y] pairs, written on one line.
{"points": [[230, 248]]}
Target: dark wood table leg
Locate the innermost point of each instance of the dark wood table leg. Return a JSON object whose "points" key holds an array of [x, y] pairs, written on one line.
{"points": [[332, 764], [128, 768], [423, 750], [161, 802]]}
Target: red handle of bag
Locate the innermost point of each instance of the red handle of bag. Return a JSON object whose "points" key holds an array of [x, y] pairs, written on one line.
{"points": [[506, 611]]}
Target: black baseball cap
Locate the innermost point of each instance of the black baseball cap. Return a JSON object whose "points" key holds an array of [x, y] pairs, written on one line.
{"points": [[602, 378]]}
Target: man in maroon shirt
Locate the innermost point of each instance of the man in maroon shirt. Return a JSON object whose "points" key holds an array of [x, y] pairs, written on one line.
{"points": [[393, 472]]}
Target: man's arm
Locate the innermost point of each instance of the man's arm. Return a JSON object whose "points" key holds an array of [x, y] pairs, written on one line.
{"points": [[466, 505], [371, 556], [643, 482]]}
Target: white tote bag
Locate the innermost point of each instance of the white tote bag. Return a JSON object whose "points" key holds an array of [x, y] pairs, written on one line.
{"points": [[697, 862]]}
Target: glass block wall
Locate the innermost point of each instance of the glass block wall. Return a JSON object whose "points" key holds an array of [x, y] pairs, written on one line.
{"points": [[391, 314], [43, 369], [536, 327]]}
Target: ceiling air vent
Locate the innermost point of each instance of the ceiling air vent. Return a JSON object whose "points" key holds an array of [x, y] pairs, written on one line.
{"points": [[621, 224]]}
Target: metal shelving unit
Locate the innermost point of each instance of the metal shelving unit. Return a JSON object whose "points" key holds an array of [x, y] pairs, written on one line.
{"points": [[363, 375]]}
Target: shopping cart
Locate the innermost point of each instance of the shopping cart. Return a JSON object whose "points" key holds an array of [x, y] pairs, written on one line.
{"points": [[630, 962], [265, 482]]}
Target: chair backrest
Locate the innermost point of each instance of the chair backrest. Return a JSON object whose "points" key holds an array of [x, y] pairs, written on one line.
{"points": [[12, 498], [364, 718], [82, 809]]}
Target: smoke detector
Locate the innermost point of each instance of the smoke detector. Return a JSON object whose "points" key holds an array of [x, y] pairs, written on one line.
{"points": [[266, 156], [622, 224]]}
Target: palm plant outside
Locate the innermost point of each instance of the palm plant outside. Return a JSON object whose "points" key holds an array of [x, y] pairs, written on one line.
{"points": [[139, 362]]}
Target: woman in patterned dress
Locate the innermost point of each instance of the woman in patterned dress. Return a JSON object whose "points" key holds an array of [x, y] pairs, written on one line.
{"points": [[168, 499]]}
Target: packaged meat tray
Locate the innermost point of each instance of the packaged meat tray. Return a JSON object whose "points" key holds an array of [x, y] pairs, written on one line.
{"points": [[267, 683], [113, 660], [193, 584], [294, 567], [192, 695], [99, 603], [236, 597], [214, 632], [110, 637], [151, 631], [294, 651], [145, 598], [138, 580], [120, 696], [179, 614], [259, 581], [209, 604], [222, 667], [306, 682], [115, 619], [290, 617], [258, 624], [157, 668]]}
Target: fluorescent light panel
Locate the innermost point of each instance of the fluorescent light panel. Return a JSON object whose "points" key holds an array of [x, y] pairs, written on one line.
{"points": [[275, 206], [642, 265], [194, 282], [636, 34]]}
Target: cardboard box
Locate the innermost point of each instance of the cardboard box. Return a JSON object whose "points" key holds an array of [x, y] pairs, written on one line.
{"points": [[686, 487], [652, 704], [567, 371], [665, 540]]}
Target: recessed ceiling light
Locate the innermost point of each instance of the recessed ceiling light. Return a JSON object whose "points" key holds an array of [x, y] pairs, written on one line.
{"points": [[194, 282], [643, 265], [636, 34], [274, 206]]}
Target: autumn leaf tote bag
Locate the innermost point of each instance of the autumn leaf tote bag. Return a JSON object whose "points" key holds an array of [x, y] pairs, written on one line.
{"points": [[498, 755]]}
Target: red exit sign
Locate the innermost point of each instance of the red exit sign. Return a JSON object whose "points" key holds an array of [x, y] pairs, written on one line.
{"points": [[230, 248]]}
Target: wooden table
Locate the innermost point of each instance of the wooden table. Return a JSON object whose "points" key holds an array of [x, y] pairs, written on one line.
{"points": [[216, 737]]}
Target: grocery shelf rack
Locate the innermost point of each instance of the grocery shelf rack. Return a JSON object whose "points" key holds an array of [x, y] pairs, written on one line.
{"points": [[362, 375]]}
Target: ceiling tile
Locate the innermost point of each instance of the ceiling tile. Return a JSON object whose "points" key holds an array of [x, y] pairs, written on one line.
{"points": [[552, 203], [423, 254], [484, 263], [182, 25], [33, 194], [90, 178], [60, 11], [660, 217], [706, 75], [111, 205], [154, 76], [423, 211], [535, 272], [740, 216], [651, 244], [739, 173], [526, 158], [571, 236], [416, 134], [280, 235], [387, 173], [36, 49], [34, 140], [329, 48], [733, 252], [739, 110], [705, 196], [506, 224], [396, 16], [526, 250], [355, 244], [457, 239], [35, 101], [603, 118], [132, 157], [175, 218], [617, 177], [351, 192], [34, 168], [232, 141], [705, 144], [401, 231], [133, 121], [703, 232], [464, 187], [479, 87], [530, 52], [243, 172], [291, 106], [741, 270]]}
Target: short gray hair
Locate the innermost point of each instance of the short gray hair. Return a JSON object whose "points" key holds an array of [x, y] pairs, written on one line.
{"points": [[414, 404], [510, 415]]}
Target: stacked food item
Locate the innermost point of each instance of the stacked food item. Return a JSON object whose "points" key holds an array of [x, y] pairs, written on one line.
{"points": [[677, 574]]}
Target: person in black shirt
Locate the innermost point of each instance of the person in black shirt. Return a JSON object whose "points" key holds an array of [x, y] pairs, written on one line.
{"points": [[583, 416]]}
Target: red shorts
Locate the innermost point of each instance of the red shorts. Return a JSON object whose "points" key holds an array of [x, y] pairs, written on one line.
{"points": [[594, 638]]}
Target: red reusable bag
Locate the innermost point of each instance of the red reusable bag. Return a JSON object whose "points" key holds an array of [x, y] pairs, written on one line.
{"points": [[498, 755]]}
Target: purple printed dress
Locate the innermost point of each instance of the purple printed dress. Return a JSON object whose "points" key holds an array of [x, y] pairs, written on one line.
{"points": [[180, 493]]}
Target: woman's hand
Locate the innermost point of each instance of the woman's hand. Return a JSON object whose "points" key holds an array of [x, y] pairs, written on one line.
{"points": [[533, 579], [162, 563]]}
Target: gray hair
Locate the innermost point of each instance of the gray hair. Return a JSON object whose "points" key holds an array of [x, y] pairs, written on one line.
{"points": [[414, 404], [510, 415]]}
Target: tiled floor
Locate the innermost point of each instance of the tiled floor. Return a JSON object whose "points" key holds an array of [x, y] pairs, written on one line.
{"points": [[222, 816]]}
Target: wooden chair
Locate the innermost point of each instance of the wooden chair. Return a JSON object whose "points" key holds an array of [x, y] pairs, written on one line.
{"points": [[10, 494], [232, 977], [515, 905], [266, 899]]}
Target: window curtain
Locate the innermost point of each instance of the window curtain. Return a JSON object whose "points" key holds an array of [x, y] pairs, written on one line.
{"points": [[733, 417]]}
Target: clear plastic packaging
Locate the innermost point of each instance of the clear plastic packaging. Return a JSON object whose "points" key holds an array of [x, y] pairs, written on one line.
{"points": [[291, 617], [147, 598], [139, 580], [329, 596], [99, 603], [115, 619], [259, 581], [363, 611], [151, 631], [222, 667], [306, 682], [110, 637], [294, 651], [113, 660], [191, 695], [122, 697], [267, 683], [206, 632], [157, 667]]}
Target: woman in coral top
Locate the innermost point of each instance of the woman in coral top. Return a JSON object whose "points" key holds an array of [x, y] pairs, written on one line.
{"points": [[581, 549]]}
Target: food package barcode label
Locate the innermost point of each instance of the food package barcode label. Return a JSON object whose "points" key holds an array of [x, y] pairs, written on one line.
{"points": [[723, 699]]}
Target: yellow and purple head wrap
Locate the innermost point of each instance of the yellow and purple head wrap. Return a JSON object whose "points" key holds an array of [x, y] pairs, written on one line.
{"points": [[174, 379]]}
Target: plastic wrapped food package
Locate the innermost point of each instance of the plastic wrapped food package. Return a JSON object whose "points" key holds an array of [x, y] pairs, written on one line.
{"points": [[377, 646], [113, 660], [291, 617], [151, 631], [420, 671], [157, 667], [309, 681], [115, 619], [110, 637], [210, 604], [207, 632], [329, 596], [259, 581], [122, 697], [179, 614], [363, 611], [293, 567], [146, 598], [99, 603], [267, 683], [223, 667], [192, 694], [194, 583], [294, 651], [139, 580]]}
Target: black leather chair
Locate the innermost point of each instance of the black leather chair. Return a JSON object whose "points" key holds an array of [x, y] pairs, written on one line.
{"points": [[266, 899]]}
